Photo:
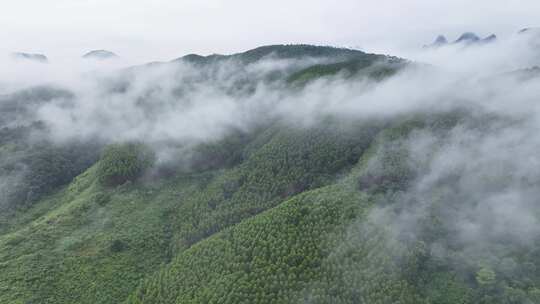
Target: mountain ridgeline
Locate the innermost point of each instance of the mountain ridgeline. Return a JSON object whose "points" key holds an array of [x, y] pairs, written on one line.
{"points": [[465, 39], [277, 203], [100, 55], [39, 58]]}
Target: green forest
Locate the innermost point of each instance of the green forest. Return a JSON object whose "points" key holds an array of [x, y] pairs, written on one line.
{"points": [[339, 209]]}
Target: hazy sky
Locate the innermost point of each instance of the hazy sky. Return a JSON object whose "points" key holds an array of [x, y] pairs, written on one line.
{"points": [[144, 30]]}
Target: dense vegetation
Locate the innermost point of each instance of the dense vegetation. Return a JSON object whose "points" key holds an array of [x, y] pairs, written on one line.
{"points": [[124, 162], [281, 212]]}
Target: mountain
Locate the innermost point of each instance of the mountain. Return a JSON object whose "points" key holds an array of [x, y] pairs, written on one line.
{"points": [[468, 38], [489, 39], [100, 55], [529, 30], [439, 41], [40, 58], [311, 62], [281, 52], [283, 174]]}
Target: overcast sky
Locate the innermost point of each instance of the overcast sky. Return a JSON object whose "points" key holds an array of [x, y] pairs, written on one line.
{"points": [[146, 30]]}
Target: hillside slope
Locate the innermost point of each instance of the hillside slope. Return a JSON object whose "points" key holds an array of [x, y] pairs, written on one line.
{"points": [[97, 233], [215, 180]]}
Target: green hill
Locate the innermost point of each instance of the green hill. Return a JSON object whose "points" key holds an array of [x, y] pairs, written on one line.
{"points": [[346, 209], [292, 51], [97, 232]]}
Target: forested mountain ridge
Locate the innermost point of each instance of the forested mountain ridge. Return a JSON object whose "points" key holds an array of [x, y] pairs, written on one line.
{"points": [[253, 178]]}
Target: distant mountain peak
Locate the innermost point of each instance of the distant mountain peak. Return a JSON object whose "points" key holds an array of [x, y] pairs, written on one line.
{"points": [[100, 54], [468, 37], [439, 41], [529, 30], [489, 39], [525, 30], [30, 57]]}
